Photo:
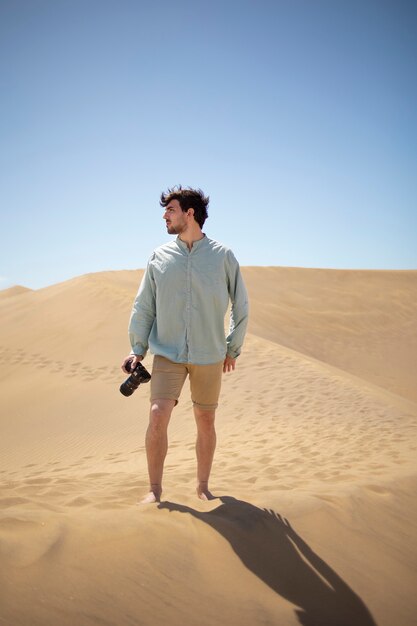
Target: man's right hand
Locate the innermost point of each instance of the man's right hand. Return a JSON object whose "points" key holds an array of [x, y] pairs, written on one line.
{"points": [[134, 360]]}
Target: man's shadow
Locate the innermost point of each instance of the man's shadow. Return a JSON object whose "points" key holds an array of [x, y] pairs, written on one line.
{"points": [[271, 549]]}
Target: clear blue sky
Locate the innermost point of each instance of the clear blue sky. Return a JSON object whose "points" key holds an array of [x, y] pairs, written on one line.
{"points": [[297, 117]]}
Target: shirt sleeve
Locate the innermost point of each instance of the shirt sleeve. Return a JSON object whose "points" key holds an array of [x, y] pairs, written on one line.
{"points": [[143, 314], [240, 307]]}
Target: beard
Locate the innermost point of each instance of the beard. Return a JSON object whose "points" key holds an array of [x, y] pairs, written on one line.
{"points": [[176, 230]]}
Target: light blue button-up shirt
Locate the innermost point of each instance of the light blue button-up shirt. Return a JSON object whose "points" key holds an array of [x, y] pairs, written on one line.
{"points": [[182, 301]]}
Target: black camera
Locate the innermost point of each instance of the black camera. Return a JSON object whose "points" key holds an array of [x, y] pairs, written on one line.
{"points": [[137, 376]]}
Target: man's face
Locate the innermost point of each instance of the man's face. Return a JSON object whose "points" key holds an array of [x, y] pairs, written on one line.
{"points": [[175, 219]]}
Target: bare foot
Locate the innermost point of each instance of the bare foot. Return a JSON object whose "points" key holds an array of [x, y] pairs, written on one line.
{"points": [[150, 498], [153, 496], [204, 493]]}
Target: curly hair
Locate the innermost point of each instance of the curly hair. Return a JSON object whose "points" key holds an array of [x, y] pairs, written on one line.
{"points": [[189, 199]]}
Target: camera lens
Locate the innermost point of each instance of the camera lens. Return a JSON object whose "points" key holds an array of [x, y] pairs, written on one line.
{"points": [[138, 375]]}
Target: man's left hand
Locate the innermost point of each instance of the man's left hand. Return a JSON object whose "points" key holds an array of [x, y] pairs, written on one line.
{"points": [[229, 364]]}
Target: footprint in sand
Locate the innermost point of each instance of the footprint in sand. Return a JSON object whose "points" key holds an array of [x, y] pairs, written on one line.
{"points": [[378, 489], [12, 501], [109, 504], [80, 501], [37, 481], [112, 455], [65, 481], [96, 475]]}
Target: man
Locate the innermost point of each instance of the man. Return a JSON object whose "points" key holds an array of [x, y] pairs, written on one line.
{"points": [[179, 314]]}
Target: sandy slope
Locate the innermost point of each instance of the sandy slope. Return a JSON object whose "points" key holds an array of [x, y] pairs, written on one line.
{"points": [[305, 435], [361, 321]]}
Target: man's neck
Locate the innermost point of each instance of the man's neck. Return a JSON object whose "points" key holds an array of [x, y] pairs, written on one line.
{"points": [[191, 235]]}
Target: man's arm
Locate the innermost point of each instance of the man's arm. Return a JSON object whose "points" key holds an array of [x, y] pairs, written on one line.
{"points": [[143, 315], [239, 311]]}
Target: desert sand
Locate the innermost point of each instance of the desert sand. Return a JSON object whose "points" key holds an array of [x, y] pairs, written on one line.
{"points": [[315, 469]]}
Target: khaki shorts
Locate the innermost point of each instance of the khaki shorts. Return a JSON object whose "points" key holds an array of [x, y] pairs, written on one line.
{"points": [[168, 380]]}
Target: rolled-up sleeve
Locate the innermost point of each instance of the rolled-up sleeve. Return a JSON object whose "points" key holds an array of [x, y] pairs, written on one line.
{"points": [[143, 314], [240, 307]]}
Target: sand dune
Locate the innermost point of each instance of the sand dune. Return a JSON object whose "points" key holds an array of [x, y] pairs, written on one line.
{"points": [[17, 290], [363, 322], [315, 468]]}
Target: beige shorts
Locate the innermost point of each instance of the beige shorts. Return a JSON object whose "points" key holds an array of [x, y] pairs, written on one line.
{"points": [[168, 380]]}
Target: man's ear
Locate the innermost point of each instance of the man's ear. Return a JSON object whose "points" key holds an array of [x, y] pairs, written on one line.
{"points": [[190, 212]]}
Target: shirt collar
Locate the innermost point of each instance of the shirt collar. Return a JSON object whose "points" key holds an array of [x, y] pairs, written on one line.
{"points": [[196, 244]]}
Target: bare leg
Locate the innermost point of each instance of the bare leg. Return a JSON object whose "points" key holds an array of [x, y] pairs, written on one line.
{"points": [[157, 446], [205, 447]]}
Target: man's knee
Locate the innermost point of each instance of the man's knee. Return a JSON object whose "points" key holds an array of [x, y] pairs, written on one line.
{"points": [[160, 412], [205, 417]]}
